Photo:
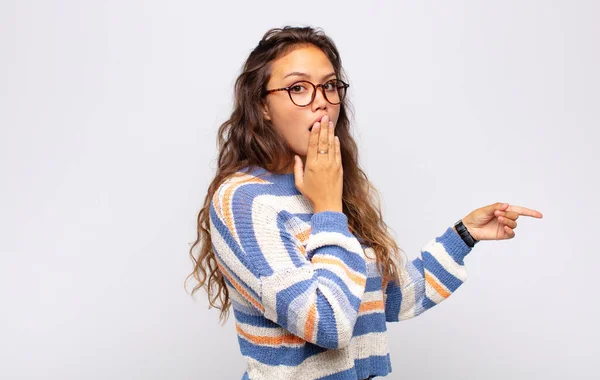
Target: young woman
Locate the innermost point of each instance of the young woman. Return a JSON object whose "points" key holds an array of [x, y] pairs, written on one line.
{"points": [[291, 234]]}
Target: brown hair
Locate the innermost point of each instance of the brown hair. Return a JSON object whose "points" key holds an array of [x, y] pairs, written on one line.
{"points": [[247, 139]]}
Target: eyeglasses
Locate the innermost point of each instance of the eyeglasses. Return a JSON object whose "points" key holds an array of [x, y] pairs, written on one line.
{"points": [[302, 93]]}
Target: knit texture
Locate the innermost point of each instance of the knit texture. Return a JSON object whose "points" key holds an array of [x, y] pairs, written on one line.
{"points": [[308, 300]]}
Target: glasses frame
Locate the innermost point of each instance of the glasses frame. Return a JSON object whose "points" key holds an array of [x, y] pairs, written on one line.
{"points": [[314, 93]]}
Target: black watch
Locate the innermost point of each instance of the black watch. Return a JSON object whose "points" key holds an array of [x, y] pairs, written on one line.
{"points": [[464, 234]]}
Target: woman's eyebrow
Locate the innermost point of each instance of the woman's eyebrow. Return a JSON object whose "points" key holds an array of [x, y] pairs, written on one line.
{"points": [[297, 73]]}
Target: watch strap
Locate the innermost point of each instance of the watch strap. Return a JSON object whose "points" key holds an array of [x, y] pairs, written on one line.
{"points": [[464, 234]]}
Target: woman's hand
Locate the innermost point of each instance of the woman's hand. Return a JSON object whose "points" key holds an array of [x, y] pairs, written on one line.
{"points": [[321, 182], [496, 221]]}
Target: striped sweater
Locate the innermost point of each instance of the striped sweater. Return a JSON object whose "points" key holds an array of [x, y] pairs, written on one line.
{"points": [[308, 300]]}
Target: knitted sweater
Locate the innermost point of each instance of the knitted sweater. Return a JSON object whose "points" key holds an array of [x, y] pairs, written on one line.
{"points": [[308, 300]]}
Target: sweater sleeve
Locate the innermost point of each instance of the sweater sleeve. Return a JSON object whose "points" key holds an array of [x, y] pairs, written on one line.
{"points": [[430, 278], [313, 292]]}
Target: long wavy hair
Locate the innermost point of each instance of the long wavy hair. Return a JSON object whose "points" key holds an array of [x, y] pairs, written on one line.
{"points": [[247, 139]]}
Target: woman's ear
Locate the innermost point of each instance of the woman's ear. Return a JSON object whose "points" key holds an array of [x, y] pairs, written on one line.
{"points": [[265, 110]]}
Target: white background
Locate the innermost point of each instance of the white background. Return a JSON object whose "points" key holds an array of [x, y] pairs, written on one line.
{"points": [[108, 117]]}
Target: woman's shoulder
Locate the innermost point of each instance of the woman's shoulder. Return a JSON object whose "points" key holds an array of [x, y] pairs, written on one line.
{"points": [[240, 189], [254, 181], [242, 181]]}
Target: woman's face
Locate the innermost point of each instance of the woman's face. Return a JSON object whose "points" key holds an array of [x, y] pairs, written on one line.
{"points": [[293, 122]]}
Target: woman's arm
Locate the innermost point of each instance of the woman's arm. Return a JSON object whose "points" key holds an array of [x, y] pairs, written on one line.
{"points": [[429, 279], [316, 299]]}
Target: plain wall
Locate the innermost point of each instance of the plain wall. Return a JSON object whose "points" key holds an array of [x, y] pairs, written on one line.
{"points": [[108, 117]]}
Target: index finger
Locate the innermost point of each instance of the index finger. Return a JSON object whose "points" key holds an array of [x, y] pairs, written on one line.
{"points": [[525, 211]]}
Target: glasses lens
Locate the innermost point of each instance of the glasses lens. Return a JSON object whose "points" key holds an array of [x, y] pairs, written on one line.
{"points": [[335, 91], [301, 93]]}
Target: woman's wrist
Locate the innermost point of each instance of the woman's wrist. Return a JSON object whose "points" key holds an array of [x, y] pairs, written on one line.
{"points": [[462, 229], [465, 224], [325, 207], [320, 209]]}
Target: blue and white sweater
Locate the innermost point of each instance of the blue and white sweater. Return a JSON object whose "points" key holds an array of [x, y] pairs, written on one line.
{"points": [[308, 300]]}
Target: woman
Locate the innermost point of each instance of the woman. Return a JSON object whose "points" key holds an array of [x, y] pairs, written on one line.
{"points": [[291, 235]]}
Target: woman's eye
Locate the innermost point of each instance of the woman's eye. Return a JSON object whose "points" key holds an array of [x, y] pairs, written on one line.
{"points": [[330, 85], [297, 88]]}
